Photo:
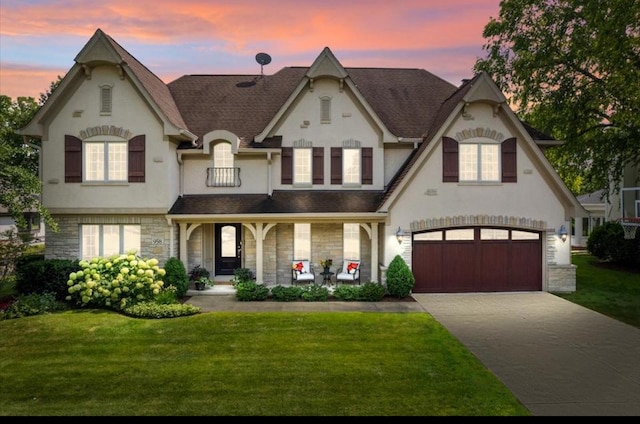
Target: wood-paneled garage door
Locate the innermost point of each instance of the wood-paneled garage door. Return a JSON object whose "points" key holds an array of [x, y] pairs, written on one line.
{"points": [[477, 259]]}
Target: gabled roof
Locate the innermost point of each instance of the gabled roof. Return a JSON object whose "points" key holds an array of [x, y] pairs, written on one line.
{"points": [[242, 104], [101, 49], [156, 88]]}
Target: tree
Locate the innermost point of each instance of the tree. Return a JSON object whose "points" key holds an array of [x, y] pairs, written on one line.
{"points": [[20, 185], [572, 68]]}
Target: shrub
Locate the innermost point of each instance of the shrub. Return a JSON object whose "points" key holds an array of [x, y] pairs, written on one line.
{"points": [[371, 292], [176, 275], [250, 290], [33, 304], [315, 293], [400, 279], [241, 275], [11, 249], [607, 243], [286, 293], [155, 310], [347, 292], [168, 296], [115, 282], [34, 274]]}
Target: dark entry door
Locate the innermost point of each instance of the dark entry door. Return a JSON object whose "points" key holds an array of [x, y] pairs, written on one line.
{"points": [[228, 248]]}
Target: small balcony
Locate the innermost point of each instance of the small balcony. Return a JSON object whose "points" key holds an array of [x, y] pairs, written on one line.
{"points": [[223, 177]]}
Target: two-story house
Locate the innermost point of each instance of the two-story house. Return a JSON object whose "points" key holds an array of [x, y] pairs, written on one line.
{"points": [[255, 171]]}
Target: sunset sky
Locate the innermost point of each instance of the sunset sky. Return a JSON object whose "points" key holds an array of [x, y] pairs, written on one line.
{"points": [[39, 39]]}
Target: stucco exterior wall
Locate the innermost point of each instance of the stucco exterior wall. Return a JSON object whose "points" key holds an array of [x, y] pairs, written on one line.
{"points": [[348, 121], [129, 112], [254, 174]]}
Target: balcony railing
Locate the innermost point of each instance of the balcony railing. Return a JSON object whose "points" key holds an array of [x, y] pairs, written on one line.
{"points": [[223, 177]]}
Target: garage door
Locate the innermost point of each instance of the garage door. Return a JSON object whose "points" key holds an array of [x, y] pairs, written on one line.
{"points": [[478, 259]]}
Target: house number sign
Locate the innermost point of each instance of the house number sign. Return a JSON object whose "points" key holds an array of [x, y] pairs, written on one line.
{"points": [[156, 241]]}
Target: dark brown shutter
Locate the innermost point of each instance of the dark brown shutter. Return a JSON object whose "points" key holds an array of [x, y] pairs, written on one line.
{"points": [[72, 159], [336, 165], [286, 168], [449, 160], [509, 161], [318, 165], [367, 165], [136, 159]]}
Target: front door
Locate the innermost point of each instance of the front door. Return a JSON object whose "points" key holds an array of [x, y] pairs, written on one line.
{"points": [[228, 248]]}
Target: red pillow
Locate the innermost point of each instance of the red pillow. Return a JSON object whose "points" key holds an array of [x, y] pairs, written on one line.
{"points": [[299, 268], [352, 267]]}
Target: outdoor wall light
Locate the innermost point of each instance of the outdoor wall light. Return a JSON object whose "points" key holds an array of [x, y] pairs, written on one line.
{"points": [[562, 232], [399, 235]]}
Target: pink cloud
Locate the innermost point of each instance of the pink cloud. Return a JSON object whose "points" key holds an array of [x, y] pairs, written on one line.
{"points": [[360, 33]]}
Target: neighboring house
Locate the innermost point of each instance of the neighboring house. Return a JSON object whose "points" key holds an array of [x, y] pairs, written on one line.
{"points": [[254, 171], [35, 228], [594, 204], [623, 204]]}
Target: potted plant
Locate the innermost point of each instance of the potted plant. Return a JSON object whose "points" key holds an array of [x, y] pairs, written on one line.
{"points": [[200, 277], [202, 283], [326, 265]]}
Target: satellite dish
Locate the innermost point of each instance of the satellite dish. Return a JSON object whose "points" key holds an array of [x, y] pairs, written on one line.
{"points": [[263, 59]]}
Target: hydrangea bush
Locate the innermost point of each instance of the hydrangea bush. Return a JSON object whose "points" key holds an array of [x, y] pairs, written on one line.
{"points": [[115, 282]]}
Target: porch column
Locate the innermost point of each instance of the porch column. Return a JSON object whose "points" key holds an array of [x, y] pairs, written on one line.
{"points": [[259, 251], [183, 243], [374, 251]]}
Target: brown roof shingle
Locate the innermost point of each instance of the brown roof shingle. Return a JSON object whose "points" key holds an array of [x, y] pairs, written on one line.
{"points": [[303, 202]]}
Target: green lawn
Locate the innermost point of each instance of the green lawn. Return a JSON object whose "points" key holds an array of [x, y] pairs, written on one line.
{"points": [[610, 290], [95, 362], [279, 364]]}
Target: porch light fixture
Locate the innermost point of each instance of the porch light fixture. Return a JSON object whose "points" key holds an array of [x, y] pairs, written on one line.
{"points": [[562, 232], [399, 235]]}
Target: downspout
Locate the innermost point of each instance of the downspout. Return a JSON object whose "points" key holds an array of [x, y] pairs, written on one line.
{"points": [[269, 171], [180, 173]]}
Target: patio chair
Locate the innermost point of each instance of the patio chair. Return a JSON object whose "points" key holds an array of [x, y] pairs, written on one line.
{"points": [[302, 272], [350, 271]]}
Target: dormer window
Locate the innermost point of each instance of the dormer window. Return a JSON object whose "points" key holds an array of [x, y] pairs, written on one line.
{"points": [[106, 103], [325, 110]]}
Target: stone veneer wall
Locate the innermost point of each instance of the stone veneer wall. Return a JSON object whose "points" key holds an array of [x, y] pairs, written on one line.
{"points": [[326, 242], [562, 278], [155, 235]]}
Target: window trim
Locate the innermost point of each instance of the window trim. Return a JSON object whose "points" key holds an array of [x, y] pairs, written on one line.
{"points": [[121, 239], [105, 161], [302, 229], [348, 230], [481, 164]]}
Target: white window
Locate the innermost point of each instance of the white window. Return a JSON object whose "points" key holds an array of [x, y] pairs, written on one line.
{"points": [[222, 157], [107, 240], [224, 173], [302, 241], [430, 236], [105, 99], [460, 234], [479, 162], [351, 166], [493, 234], [105, 161], [325, 110], [302, 165], [351, 241]]}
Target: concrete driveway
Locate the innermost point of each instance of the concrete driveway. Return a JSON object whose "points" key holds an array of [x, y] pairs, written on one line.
{"points": [[557, 358]]}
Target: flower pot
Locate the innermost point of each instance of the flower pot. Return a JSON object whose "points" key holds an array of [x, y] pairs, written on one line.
{"points": [[200, 286]]}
